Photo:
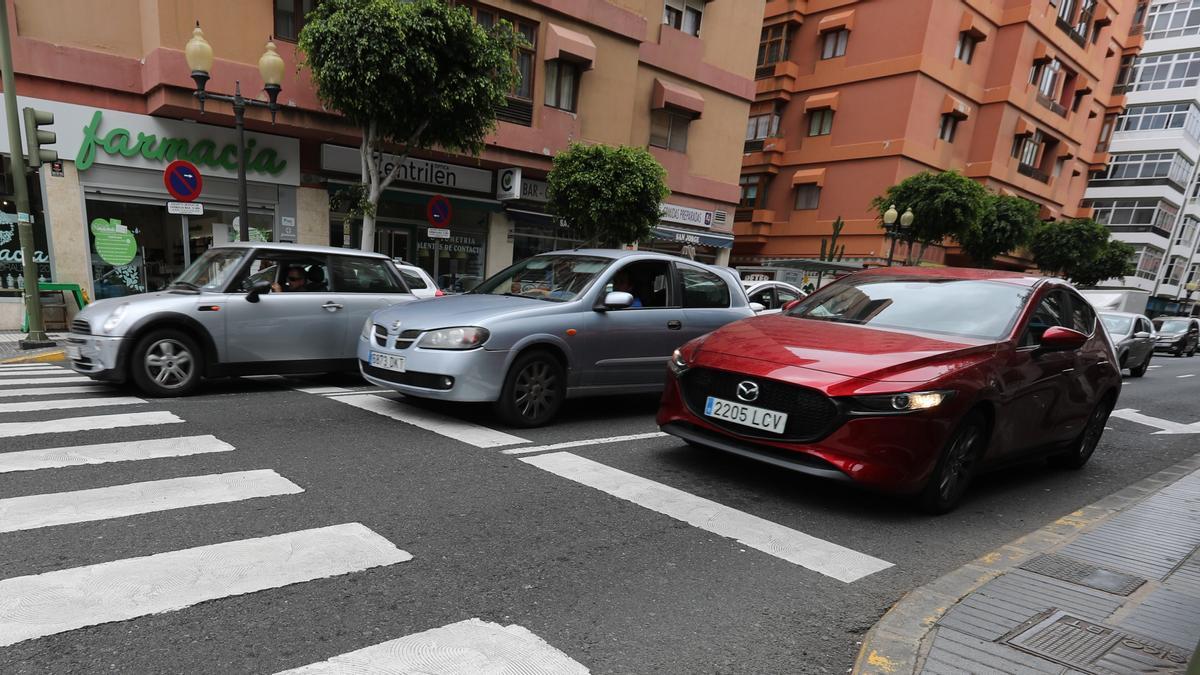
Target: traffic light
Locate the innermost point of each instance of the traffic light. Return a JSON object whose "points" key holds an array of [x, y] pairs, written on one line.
{"points": [[35, 138]]}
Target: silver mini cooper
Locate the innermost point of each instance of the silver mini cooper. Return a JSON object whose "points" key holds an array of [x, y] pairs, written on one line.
{"points": [[239, 309]]}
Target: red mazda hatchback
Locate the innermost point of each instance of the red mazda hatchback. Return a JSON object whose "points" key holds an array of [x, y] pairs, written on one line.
{"points": [[908, 380]]}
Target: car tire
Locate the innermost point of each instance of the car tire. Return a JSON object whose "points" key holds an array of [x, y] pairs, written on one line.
{"points": [[955, 466], [534, 390], [166, 363], [1141, 369], [1083, 447]]}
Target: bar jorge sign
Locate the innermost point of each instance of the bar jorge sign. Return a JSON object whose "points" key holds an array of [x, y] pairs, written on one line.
{"points": [[111, 137]]}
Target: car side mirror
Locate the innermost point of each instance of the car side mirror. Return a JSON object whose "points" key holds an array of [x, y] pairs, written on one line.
{"points": [[757, 307], [1141, 335], [787, 306], [260, 287], [616, 300], [1058, 338]]}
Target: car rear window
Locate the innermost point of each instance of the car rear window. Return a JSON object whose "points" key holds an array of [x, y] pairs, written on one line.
{"points": [[413, 279], [967, 308], [1117, 325]]}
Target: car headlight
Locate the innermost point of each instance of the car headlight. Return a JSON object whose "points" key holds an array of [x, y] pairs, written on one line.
{"points": [[904, 402], [677, 364], [368, 325], [462, 337], [114, 319]]}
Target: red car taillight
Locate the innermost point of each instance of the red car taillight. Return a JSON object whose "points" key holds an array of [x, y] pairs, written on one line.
{"points": [[438, 293]]}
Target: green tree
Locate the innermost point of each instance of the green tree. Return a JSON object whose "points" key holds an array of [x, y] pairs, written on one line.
{"points": [[1080, 250], [1004, 225], [944, 204], [609, 196], [410, 75]]}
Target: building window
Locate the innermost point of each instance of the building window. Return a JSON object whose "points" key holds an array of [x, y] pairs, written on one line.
{"points": [[820, 122], [562, 85], [524, 57], [1157, 117], [1175, 70], [773, 45], [1147, 167], [669, 130], [1177, 18], [684, 15], [1135, 215], [289, 18], [1048, 77], [1027, 147], [833, 43], [808, 196], [754, 190], [1106, 131], [965, 50], [948, 127], [1187, 232], [762, 126], [1147, 261]]}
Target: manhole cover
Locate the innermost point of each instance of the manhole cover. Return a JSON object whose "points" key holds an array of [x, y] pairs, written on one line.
{"points": [[1098, 649], [1076, 572]]}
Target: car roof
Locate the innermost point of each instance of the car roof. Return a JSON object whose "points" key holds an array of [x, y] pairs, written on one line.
{"points": [[620, 254], [1130, 315], [302, 248], [960, 273]]}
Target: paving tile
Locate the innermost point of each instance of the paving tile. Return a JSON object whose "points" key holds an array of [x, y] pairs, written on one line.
{"points": [[955, 652]]}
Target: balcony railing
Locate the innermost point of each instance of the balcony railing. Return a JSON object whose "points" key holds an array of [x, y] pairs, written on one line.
{"points": [[753, 146], [764, 71], [1069, 29], [1033, 172], [1137, 30], [1059, 109]]}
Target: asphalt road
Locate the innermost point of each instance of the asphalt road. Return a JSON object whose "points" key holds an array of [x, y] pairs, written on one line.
{"points": [[617, 586]]}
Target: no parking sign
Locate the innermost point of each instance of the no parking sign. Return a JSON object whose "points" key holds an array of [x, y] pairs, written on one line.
{"points": [[183, 180], [439, 212]]}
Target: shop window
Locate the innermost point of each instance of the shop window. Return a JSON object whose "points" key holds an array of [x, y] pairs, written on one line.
{"points": [[562, 84], [808, 196], [12, 271], [684, 15], [289, 18], [702, 289], [833, 43], [669, 130], [948, 127], [820, 122], [965, 50]]}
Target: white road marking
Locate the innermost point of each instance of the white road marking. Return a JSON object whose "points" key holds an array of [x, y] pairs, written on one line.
{"points": [[14, 366], [576, 444], [1155, 366], [118, 501], [1188, 375], [102, 453], [466, 647], [43, 380], [32, 369], [68, 403], [92, 423], [818, 555], [325, 390], [1164, 426], [55, 602], [445, 425], [86, 388]]}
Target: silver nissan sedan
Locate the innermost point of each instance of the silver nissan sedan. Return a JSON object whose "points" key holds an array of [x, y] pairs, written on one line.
{"points": [[551, 327]]}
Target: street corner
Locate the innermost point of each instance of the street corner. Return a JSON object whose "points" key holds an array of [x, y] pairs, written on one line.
{"points": [[1068, 580]]}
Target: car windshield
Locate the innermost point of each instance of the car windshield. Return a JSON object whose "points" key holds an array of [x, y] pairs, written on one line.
{"points": [[211, 270], [967, 308], [1173, 326], [555, 278], [1117, 325]]}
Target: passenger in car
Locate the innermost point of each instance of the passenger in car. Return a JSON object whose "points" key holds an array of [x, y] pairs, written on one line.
{"points": [[295, 281], [622, 284]]}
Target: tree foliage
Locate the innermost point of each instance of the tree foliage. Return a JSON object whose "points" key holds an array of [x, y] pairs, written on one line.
{"points": [[609, 196], [1004, 225], [944, 204], [412, 74], [1080, 250]]}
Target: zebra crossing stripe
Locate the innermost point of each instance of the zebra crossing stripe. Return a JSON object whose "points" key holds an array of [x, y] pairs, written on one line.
{"points": [[14, 366], [818, 555], [102, 453], [471, 646], [68, 404], [445, 425], [32, 369], [92, 423], [69, 389], [43, 380], [118, 501], [55, 602]]}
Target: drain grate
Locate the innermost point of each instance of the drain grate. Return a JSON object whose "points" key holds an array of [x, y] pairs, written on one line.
{"points": [[1096, 648], [1076, 572]]}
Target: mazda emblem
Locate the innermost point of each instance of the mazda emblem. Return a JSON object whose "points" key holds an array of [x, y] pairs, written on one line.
{"points": [[747, 391]]}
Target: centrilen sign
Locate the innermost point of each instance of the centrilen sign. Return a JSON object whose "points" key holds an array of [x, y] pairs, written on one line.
{"points": [[347, 160]]}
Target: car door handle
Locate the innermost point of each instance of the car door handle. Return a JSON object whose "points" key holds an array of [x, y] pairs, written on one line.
{"points": [[331, 306], [674, 324]]}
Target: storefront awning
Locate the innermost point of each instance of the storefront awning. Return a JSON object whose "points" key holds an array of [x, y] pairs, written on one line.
{"points": [[533, 217], [714, 239]]}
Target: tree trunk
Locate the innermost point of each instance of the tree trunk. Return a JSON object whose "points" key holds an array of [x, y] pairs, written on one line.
{"points": [[367, 243]]}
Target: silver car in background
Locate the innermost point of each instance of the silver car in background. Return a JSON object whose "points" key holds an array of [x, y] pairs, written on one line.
{"points": [[554, 326], [240, 309], [1133, 338]]}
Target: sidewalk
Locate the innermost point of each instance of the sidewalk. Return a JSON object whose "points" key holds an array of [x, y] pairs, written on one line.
{"points": [[1113, 588], [11, 352]]}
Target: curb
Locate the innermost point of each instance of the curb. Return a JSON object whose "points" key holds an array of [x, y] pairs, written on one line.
{"points": [[40, 356], [894, 643]]}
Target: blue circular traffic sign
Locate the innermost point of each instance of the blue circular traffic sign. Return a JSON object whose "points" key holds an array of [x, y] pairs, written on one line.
{"points": [[439, 211], [183, 180]]}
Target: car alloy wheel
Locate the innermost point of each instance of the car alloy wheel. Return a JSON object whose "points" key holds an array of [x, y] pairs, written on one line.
{"points": [[1085, 446], [536, 389], [956, 466], [533, 391], [166, 363], [1141, 369]]}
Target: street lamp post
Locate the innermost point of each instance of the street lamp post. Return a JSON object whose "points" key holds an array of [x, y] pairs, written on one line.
{"points": [[199, 56], [895, 231]]}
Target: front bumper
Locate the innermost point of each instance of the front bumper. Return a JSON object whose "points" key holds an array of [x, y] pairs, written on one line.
{"points": [[893, 453], [474, 375], [1175, 346], [98, 356]]}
